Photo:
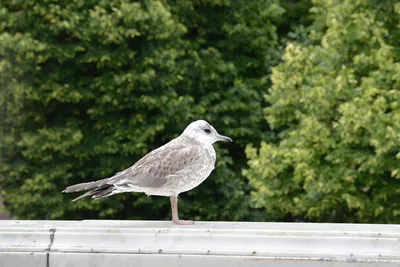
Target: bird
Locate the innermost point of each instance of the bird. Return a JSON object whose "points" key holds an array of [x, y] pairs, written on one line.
{"points": [[176, 167]]}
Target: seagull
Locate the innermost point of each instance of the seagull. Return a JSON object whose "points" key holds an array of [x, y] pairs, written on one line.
{"points": [[178, 166]]}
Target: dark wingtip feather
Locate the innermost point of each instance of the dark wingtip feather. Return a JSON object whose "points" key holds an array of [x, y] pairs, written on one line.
{"points": [[84, 195]]}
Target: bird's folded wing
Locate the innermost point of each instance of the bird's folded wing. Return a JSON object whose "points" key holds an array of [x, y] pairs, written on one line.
{"points": [[153, 170]]}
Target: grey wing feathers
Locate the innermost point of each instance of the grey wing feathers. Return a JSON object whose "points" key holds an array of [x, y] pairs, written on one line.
{"points": [[153, 170], [150, 172]]}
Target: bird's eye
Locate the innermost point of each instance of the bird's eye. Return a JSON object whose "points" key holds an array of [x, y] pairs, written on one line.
{"points": [[207, 131]]}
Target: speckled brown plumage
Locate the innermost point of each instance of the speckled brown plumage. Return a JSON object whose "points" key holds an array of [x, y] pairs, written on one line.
{"points": [[176, 167]]}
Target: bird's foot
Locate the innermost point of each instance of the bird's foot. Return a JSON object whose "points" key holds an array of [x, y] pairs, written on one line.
{"points": [[183, 222]]}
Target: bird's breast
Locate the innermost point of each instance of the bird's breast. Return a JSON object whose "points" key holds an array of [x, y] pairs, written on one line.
{"points": [[207, 166], [200, 171], [210, 157]]}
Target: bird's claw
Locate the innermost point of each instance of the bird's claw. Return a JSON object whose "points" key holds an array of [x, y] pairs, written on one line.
{"points": [[183, 222]]}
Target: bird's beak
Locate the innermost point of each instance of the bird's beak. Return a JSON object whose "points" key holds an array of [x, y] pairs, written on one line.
{"points": [[224, 138]]}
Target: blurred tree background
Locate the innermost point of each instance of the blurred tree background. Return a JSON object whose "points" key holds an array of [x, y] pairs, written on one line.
{"points": [[87, 87], [335, 107]]}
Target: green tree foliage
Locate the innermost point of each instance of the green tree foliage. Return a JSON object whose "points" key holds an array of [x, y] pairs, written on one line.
{"points": [[88, 87], [335, 103]]}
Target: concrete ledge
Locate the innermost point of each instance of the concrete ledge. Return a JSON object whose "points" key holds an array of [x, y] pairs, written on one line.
{"points": [[152, 243]]}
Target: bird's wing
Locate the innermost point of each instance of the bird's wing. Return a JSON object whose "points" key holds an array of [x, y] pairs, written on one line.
{"points": [[153, 170]]}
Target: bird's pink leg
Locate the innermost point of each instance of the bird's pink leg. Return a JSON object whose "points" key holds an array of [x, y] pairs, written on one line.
{"points": [[174, 207]]}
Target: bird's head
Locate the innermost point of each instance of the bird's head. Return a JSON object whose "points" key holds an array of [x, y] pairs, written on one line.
{"points": [[202, 131]]}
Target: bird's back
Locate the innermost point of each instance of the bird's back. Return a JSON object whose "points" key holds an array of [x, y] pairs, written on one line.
{"points": [[176, 167]]}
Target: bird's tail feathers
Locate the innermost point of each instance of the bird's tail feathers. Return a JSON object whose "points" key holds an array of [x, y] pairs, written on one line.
{"points": [[89, 186], [96, 189], [90, 193], [102, 188], [98, 193]]}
